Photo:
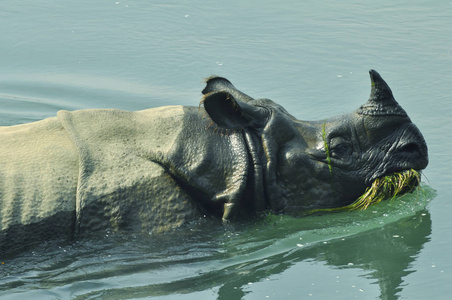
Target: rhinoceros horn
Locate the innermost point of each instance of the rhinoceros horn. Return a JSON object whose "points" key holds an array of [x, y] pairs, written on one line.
{"points": [[381, 101]]}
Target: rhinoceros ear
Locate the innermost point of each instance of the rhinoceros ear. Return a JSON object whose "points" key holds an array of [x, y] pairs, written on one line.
{"points": [[230, 113], [381, 101], [217, 84]]}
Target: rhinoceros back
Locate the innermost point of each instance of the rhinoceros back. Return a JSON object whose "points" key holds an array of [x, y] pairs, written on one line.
{"points": [[90, 170], [121, 184], [38, 179]]}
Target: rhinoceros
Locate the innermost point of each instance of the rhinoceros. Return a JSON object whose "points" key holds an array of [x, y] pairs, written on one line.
{"points": [[156, 169]]}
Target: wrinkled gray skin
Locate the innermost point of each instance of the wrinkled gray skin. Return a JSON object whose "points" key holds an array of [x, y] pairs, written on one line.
{"points": [[235, 157]]}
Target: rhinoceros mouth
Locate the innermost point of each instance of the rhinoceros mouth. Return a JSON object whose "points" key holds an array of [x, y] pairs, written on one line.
{"points": [[387, 187], [382, 188]]}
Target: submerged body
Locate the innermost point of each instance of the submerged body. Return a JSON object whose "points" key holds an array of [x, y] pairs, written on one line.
{"points": [[156, 169], [98, 169]]}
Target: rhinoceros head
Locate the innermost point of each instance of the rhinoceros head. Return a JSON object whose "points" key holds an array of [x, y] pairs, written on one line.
{"points": [[321, 164]]}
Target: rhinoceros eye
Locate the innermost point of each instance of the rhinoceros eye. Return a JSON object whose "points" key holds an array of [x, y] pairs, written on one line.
{"points": [[339, 148]]}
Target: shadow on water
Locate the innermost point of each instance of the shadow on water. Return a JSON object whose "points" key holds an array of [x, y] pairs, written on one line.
{"points": [[383, 242]]}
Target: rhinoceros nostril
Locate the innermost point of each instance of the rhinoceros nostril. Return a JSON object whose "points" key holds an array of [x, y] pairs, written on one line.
{"points": [[409, 148]]}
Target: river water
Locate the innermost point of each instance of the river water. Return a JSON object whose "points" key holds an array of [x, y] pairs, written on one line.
{"points": [[312, 57]]}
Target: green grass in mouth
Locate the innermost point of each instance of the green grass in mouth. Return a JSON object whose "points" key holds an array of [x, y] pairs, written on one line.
{"points": [[387, 187]]}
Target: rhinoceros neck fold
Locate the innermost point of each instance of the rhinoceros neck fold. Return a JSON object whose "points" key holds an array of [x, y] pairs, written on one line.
{"points": [[256, 173], [222, 169]]}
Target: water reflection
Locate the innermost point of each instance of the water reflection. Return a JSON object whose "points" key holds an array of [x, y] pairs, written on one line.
{"points": [[386, 253]]}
